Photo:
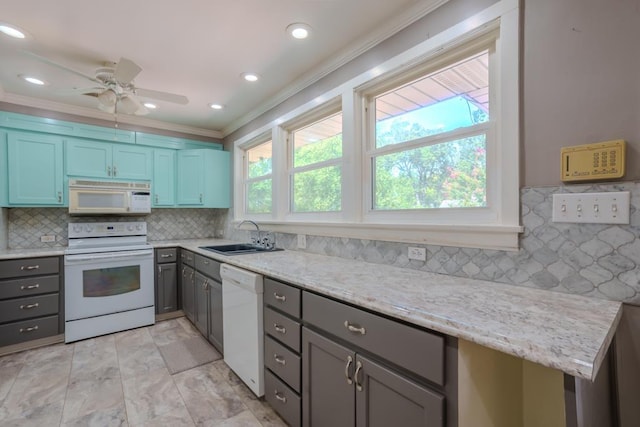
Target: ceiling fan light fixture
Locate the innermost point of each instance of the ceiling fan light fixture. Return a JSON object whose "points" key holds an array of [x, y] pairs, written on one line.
{"points": [[250, 77], [150, 105], [299, 30], [12, 31], [33, 80], [214, 106], [108, 98]]}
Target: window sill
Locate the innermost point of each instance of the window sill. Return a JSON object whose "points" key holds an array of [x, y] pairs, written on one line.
{"points": [[496, 237]]}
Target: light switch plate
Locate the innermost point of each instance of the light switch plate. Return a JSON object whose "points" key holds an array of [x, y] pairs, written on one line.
{"points": [[596, 208], [302, 241], [48, 238]]}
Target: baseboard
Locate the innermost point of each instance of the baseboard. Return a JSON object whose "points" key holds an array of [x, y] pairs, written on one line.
{"points": [[30, 345]]}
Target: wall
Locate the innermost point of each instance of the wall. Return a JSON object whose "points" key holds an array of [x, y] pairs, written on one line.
{"points": [[3, 227], [26, 225], [581, 81]]}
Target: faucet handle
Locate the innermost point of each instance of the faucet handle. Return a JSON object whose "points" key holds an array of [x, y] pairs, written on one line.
{"points": [[255, 237]]}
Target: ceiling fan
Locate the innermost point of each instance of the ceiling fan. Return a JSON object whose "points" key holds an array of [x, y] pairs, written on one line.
{"points": [[115, 90]]}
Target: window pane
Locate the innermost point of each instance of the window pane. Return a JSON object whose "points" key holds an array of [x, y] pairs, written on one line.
{"points": [[451, 98], [259, 196], [259, 160], [318, 142], [447, 175], [318, 190]]}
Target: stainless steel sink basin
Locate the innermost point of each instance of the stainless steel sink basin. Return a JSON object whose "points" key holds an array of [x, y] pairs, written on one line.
{"points": [[237, 249]]}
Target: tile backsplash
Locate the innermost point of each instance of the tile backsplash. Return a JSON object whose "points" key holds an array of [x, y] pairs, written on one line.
{"points": [[595, 260], [26, 225]]}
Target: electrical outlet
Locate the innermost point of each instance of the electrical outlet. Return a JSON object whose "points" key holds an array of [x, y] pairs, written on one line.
{"points": [[50, 238], [219, 233], [302, 241], [596, 208], [418, 254]]}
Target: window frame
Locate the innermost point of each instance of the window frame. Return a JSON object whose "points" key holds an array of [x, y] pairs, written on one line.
{"points": [[242, 163], [499, 231]]}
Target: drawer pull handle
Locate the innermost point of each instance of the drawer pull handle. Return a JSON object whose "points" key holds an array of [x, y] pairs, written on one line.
{"points": [[166, 256], [31, 329], [346, 370], [279, 328], [279, 396], [28, 306], [29, 287], [205, 262], [356, 375], [278, 297], [354, 328], [280, 360], [29, 267]]}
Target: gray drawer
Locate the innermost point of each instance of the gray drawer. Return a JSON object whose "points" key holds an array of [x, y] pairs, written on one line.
{"points": [[282, 296], [414, 349], [166, 255], [282, 399], [187, 257], [14, 333], [208, 267], [282, 362], [24, 308], [29, 286], [28, 267], [282, 328]]}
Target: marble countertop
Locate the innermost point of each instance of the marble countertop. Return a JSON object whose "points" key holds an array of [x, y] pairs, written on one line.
{"points": [[561, 331]]}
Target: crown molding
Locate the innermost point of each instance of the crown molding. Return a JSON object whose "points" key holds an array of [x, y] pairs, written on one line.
{"points": [[352, 51], [96, 114]]}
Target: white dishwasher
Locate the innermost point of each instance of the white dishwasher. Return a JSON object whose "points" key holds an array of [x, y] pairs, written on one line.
{"points": [[242, 325]]}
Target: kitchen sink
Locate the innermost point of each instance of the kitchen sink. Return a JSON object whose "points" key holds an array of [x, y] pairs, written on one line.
{"points": [[238, 249]]}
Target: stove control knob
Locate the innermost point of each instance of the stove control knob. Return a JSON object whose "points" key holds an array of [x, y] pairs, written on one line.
{"points": [[139, 227], [89, 228], [130, 227]]}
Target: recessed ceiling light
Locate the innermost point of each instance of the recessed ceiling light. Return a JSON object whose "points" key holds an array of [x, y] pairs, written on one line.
{"points": [[216, 106], [250, 77], [150, 105], [33, 80], [299, 30], [12, 31]]}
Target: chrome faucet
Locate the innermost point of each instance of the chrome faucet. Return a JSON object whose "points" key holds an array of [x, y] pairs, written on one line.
{"points": [[255, 239]]}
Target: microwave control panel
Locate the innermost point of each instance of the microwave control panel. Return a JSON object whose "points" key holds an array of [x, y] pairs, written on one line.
{"points": [[590, 162]]}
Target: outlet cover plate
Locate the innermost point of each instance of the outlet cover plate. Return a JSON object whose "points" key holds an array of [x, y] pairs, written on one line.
{"points": [[595, 208], [302, 241], [418, 254]]}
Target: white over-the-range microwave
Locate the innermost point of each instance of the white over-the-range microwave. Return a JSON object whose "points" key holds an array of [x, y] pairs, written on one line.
{"points": [[89, 197]]}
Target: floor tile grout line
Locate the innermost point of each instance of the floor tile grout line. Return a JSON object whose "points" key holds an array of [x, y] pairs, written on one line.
{"points": [[124, 397], [66, 391]]}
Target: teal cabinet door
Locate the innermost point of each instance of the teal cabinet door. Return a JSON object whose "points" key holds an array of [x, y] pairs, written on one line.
{"points": [[35, 169], [163, 186], [131, 162], [204, 178], [89, 158], [191, 177], [4, 173]]}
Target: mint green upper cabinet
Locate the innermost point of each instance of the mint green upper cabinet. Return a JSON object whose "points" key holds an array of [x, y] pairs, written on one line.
{"points": [[132, 162], [163, 186], [89, 158], [106, 160], [35, 169], [4, 174], [204, 178]]}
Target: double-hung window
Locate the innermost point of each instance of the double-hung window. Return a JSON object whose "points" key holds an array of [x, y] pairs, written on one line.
{"points": [[258, 167]]}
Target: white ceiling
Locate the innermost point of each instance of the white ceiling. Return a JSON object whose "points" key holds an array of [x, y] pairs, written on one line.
{"points": [[196, 48]]}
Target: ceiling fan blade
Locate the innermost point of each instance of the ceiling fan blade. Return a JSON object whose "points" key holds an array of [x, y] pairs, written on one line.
{"points": [[126, 71], [129, 104], [62, 67], [80, 91], [162, 96]]}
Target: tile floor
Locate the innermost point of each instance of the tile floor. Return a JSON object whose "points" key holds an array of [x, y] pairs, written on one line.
{"points": [[122, 380]]}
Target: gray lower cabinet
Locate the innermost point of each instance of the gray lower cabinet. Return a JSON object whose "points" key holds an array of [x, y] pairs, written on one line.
{"points": [[187, 283], [215, 314], [31, 299], [201, 303], [166, 280], [208, 300]]}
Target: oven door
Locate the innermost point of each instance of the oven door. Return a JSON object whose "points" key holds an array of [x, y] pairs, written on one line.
{"points": [[108, 282]]}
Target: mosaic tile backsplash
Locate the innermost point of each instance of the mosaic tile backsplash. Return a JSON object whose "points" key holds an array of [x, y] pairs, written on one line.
{"points": [[596, 260]]}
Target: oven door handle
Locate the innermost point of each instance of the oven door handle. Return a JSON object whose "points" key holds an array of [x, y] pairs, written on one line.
{"points": [[107, 255]]}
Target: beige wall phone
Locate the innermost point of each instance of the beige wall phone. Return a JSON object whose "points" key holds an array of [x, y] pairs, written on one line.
{"points": [[599, 161]]}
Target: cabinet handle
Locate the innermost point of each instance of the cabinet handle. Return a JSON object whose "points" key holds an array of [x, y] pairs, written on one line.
{"points": [[354, 328], [59, 196], [279, 328], [108, 170], [205, 262], [279, 396], [29, 287], [156, 199], [281, 298], [184, 271], [29, 267], [346, 370], [159, 270], [200, 197], [28, 306], [30, 329], [166, 255], [205, 285], [280, 360], [356, 376], [115, 171]]}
